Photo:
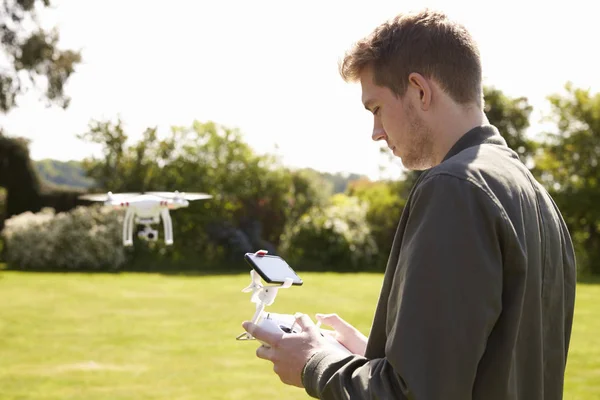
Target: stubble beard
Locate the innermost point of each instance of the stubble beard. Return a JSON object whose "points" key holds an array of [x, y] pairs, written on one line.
{"points": [[419, 156]]}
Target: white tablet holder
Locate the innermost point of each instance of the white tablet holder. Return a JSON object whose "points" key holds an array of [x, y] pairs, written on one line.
{"points": [[261, 295]]}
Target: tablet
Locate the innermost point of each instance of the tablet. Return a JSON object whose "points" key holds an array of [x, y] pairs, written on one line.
{"points": [[273, 269]]}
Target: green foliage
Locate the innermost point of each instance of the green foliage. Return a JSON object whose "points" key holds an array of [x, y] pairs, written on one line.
{"points": [[2, 200], [64, 174], [109, 172], [385, 200], [18, 176], [254, 196], [24, 189], [87, 238], [340, 181], [258, 203], [33, 53], [568, 167], [511, 117], [310, 188], [332, 238]]}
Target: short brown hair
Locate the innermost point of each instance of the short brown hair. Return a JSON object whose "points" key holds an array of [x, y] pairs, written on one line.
{"points": [[427, 42]]}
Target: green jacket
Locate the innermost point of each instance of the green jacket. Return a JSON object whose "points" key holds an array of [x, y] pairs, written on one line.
{"points": [[478, 295]]}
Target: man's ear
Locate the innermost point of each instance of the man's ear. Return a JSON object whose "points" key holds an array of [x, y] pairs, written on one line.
{"points": [[420, 85]]}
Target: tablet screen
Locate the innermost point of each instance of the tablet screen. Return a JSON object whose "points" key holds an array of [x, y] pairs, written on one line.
{"points": [[273, 269]]}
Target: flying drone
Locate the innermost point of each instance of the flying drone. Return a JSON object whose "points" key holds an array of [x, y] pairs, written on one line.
{"points": [[146, 209]]}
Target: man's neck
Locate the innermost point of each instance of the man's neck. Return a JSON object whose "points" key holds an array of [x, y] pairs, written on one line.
{"points": [[453, 125]]}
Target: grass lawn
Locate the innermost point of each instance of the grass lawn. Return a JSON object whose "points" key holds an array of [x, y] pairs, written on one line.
{"points": [[149, 336]]}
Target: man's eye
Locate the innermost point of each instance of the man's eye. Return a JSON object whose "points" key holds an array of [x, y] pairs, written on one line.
{"points": [[375, 110]]}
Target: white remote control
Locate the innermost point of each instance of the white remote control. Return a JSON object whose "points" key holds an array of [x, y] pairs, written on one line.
{"points": [[264, 296], [286, 323]]}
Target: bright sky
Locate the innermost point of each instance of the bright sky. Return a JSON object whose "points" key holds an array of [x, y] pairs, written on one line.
{"points": [[270, 69]]}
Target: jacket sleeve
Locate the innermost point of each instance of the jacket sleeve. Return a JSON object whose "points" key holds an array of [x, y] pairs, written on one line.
{"points": [[446, 298]]}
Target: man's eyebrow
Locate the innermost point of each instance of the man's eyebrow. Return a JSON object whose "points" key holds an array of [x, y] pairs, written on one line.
{"points": [[368, 103]]}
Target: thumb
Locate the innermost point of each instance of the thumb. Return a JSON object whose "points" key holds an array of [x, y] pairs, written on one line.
{"points": [[333, 320], [305, 322]]}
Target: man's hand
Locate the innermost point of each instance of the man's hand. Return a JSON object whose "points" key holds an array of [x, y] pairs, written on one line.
{"points": [[289, 352], [345, 333]]}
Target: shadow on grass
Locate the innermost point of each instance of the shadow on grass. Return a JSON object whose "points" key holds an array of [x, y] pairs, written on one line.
{"points": [[195, 270], [187, 271], [589, 279], [151, 270]]}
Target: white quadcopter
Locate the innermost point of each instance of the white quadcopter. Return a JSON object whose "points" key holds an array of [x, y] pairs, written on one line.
{"points": [[147, 209]]}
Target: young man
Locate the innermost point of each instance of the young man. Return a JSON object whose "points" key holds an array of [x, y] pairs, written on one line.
{"points": [[478, 295]]}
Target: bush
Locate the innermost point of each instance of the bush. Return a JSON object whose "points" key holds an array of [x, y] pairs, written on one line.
{"points": [[333, 238], [385, 201], [85, 238]]}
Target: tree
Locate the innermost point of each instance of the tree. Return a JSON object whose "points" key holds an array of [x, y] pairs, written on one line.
{"points": [[511, 117], [32, 55], [385, 201], [23, 187], [254, 196], [18, 176], [122, 168], [568, 167], [310, 188]]}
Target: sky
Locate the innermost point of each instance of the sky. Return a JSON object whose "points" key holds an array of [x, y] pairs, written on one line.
{"points": [[270, 68]]}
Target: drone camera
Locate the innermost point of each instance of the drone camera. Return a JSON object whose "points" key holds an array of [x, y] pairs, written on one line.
{"points": [[148, 234]]}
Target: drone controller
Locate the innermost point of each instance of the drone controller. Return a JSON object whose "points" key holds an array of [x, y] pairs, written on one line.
{"points": [[286, 323], [275, 270]]}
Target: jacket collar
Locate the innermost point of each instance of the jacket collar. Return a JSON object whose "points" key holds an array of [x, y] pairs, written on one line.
{"points": [[479, 135]]}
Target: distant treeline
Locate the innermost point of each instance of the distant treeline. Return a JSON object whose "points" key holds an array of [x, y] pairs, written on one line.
{"points": [[318, 221], [68, 174], [72, 175]]}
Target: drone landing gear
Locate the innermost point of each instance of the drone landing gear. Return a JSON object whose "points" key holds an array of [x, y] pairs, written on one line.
{"points": [[128, 227], [168, 226], [147, 233]]}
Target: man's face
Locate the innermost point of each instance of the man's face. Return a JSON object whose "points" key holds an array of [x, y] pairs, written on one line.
{"points": [[396, 120]]}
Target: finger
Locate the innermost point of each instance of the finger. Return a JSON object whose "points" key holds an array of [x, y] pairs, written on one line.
{"points": [[333, 320], [326, 317], [305, 323], [264, 352], [261, 334], [329, 332]]}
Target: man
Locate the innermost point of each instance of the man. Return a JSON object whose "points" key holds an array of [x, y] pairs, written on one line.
{"points": [[478, 295]]}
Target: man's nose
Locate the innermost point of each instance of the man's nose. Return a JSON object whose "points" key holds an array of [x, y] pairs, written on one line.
{"points": [[378, 133]]}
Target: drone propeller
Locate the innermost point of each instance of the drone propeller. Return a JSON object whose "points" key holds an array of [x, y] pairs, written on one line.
{"points": [[94, 197], [106, 196], [182, 195]]}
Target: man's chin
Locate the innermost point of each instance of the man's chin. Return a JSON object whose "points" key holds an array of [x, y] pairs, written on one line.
{"points": [[413, 164]]}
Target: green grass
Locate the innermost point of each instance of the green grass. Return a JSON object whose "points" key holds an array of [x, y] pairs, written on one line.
{"points": [[583, 365], [149, 336]]}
